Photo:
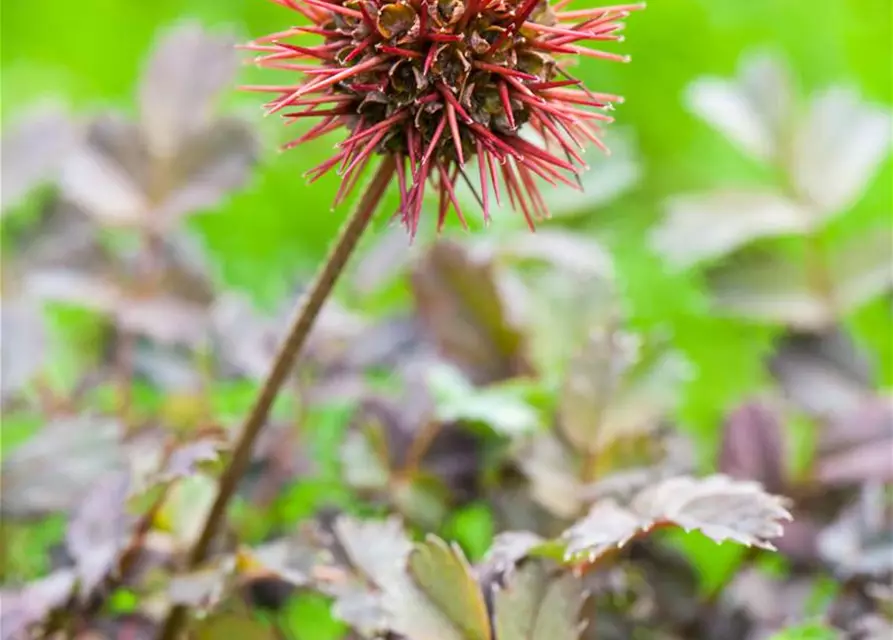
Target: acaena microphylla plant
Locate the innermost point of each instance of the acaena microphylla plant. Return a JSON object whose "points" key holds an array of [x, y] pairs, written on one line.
{"points": [[433, 83], [425, 85]]}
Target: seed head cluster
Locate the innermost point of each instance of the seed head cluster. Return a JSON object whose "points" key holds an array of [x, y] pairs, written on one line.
{"points": [[433, 83]]}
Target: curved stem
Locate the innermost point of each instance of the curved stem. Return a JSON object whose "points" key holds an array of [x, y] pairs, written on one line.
{"points": [[300, 327]]}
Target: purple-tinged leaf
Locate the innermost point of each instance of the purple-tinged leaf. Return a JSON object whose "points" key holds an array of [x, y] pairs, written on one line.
{"points": [[767, 601], [753, 446], [212, 165], [871, 421], [798, 542], [186, 460], [870, 462], [856, 448], [107, 175], [98, 529], [114, 178], [29, 606], [823, 375], [461, 308], [188, 70], [860, 540]]}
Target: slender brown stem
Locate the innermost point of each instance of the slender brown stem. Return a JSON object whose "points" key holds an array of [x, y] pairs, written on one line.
{"points": [[301, 325]]}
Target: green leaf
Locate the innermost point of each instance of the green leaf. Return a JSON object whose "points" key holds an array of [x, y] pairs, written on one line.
{"points": [[538, 604], [439, 598]]}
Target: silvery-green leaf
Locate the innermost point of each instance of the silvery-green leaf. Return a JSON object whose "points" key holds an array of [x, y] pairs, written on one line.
{"points": [[71, 287], [770, 289], [838, 147], [508, 548], [539, 604], [203, 588], [775, 289], [862, 269], [717, 506], [359, 607], [33, 151], [291, 559], [57, 467], [22, 344], [552, 473], [379, 549], [361, 466], [613, 392], [706, 226], [752, 110]]}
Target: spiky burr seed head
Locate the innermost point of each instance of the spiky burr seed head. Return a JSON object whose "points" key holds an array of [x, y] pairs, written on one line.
{"points": [[434, 82]]}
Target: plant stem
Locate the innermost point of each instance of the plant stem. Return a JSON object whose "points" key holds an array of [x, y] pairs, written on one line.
{"points": [[300, 327]]}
